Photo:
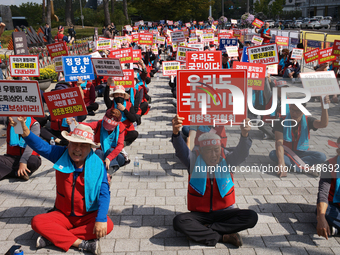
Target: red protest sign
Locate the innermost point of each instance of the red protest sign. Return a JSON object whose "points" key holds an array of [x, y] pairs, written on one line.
{"points": [[135, 37], [201, 23], [145, 38], [282, 40], [65, 103], [257, 23], [203, 60], [336, 48], [311, 55], [224, 36], [237, 33], [325, 55], [127, 81], [170, 22], [124, 55], [137, 55], [135, 28], [57, 49], [224, 92], [256, 74]]}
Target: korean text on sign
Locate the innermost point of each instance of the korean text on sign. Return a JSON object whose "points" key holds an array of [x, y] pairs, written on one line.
{"points": [[127, 80], [257, 40], [177, 37], [20, 98], [320, 83], [145, 38], [181, 53], [203, 60], [137, 55], [325, 55], [264, 54], [107, 67], [282, 40], [257, 23], [104, 44], [255, 74], [65, 103], [78, 66], [124, 55], [297, 54], [336, 48], [170, 67], [206, 96], [57, 49], [227, 42], [311, 55], [24, 65]]}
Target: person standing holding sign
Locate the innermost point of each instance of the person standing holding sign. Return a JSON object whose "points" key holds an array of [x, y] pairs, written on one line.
{"points": [[265, 33]]}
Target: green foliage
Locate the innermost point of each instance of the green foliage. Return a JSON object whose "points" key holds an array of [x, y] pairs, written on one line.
{"points": [[272, 11], [32, 12]]}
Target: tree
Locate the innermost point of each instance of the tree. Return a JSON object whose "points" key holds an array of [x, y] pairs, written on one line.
{"points": [[48, 12], [68, 12], [106, 12], [276, 8], [31, 11], [125, 8], [113, 7]]}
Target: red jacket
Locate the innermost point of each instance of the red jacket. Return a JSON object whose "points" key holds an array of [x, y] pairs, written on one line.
{"points": [[56, 125], [59, 38], [89, 94], [96, 126], [293, 145], [17, 150], [128, 125]]}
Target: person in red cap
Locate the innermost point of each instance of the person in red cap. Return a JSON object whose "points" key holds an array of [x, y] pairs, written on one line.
{"points": [[82, 193], [328, 202], [60, 37], [213, 216]]}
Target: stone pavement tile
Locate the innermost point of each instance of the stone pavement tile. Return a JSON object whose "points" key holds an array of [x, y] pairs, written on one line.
{"points": [[164, 193], [243, 191], [119, 231], [322, 242], [260, 191], [306, 217], [165, 210], [199, 246], [312, 191], [266, 208], [308, 208], [216, 251], [303, 228], [32, 211], [127, 245], [177, 243], [268, 251], [311, 199], [163, 232], [126, 192], [164, 252], [174, 200], [266, 218], [276, 241], [134, 201], [121, 210], [14, 212], [155, 201], [168, 220], [141, 232], [290, 207], [107, 245], [139, 253], [156, 220], [266, 183], [152, 244], [21, 234], [132, 221], [4, 234], [156, 185], [259, 229], [321, 251], [242, 251], [300, 240], [247, 206], [255, 199], [275, 199], [143, 210], [22, 222], [137, 185], [298, 191], [252, 241], [281, 229], [26, 186], [285, 217], [192, 252], [295, 199], [10, 202], [294, 251], [279, 191], [174, 185], [336, 250], [248, 184]]}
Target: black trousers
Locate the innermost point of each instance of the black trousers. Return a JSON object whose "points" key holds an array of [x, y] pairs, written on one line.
{"points": [[209, 228], [131, 136], [9, 165], [92, 107], [144, 107]]}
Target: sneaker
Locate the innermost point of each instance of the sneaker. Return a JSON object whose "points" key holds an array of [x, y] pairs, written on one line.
{"points": [[42, 242], [92, 113], [264, 137], [125, 154], [90, 246], [234, 239], [334, 231]]}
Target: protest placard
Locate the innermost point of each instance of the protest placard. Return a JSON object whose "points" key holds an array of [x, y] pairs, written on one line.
{"points": [[320, 83], [232, 51], [227, 42], [107, 67], [325, 55], [124, 55], [77, 66], [272, 69], [104, 44], [193, 40], [282, 40], [208, 97], [237, 33], [137, 55], [58, 64], [127, 80], [256, 74], [297, 54], [20, 98], [181, 53], [24, 65], [336, 48], [207, 37], [65, 103], [135, 37], [57, 49], [20, 43], [311, 55], [257, 23], [145, 38], [199, 46], [170, 68], [257, 40], [263, 54], [161, 40], [204, 60], [177, 36]]}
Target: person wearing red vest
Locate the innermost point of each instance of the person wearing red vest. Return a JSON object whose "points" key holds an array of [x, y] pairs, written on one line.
{"points": [[82, 192], [20, 160], [265, 33], [213, 216], [328, 202], [296, 139], [60, 37], [90, 97]]}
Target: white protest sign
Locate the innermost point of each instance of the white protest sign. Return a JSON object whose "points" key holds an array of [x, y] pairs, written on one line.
{"points": [[104, 44], [232, 51], [272, 69], [181, 53], [95, 54], [263, 54], [177, 36], [24, 65], [320, 83], [170, 67], [257, 40], [20, 98], [297, 54], [107, 67], [198, 46], [58, 64]]}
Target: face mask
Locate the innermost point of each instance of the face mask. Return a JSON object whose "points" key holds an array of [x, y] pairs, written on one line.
{"points": [[119, 100]]}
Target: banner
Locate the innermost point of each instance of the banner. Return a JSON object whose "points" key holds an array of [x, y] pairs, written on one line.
{"points": [[124, 55], [325, 55], [145, 38], [320, 83], [127, 80], [257, 23], [263, 54], [20, 98], [65, 103], [205, 96], [181, 53], [137, 55], [170, 67], [297, 54], [282, 40], [104, 44], [177, 36], [24, 65], [204, 60], [227, 42], [257, 40], [57, 49], [107, 67], [77, 66], [311, 55], [256, 74]]}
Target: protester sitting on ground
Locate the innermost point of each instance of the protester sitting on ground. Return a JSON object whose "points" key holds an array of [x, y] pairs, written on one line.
{"points": [[292, 70], [213, 216], [121, 101], [328, 207], [60, 37], [81, 212], [89, 97], [283, 61], [109, 133], [20, 161], [295, 139]]}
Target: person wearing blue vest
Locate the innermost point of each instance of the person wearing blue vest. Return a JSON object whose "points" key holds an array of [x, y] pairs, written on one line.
{"points": [[292, 138], [82, 192], [213, 216], [328, 202]]}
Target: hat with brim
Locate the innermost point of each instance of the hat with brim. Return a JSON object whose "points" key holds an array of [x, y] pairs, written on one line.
{"points": [[334, 144], [81, 134], [120, 89]]}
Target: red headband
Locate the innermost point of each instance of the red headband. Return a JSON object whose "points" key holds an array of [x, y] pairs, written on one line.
{"points": [[82, 133], [210, 142]]}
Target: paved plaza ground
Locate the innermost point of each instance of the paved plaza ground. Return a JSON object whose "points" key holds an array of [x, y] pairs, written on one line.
{"points": [[142, 207]]}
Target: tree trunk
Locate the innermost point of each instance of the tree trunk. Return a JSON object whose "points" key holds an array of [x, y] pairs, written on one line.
{"points": [[43, 13], [48, 12], [68, 12], [107, 19], [113, 7], [125, 10]]}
